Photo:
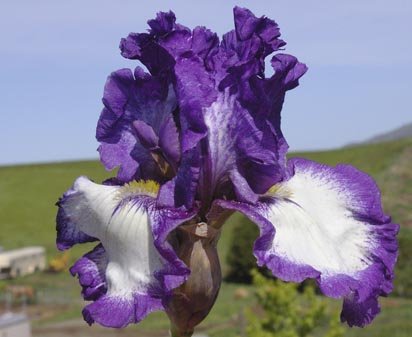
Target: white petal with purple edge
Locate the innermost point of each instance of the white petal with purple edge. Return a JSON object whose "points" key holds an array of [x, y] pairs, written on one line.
{"points": [[134, 268], [327, 223], [315, 225]]}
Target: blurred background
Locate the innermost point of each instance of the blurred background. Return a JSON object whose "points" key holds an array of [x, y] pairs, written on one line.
{"points": [[352, 106]]}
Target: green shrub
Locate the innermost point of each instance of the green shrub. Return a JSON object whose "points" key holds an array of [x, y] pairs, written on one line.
{"points": [[240, 259], [285, 312]]}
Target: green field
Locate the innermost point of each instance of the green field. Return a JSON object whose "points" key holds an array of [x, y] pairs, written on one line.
{"points": [[27, 217]]}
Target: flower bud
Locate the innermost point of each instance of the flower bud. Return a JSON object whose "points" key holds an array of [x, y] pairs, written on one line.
{"points": [[195, 244]]}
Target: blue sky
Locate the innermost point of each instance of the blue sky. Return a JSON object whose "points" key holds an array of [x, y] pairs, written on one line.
{"points": [[55, 57]]}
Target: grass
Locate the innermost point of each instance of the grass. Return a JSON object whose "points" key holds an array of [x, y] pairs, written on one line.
{"points": [[395, 320], [27, 197], [372, 158], [27, 217]]}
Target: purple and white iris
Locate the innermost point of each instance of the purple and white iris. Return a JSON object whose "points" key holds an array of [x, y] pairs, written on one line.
{"points": [[195, 139]]}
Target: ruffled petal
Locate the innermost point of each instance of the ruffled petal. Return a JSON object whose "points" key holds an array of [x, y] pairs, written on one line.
{"points": [[136, 128], [327, 223], [91, 269], [133, 270], [247, 25], [232, 111], [157, 48], [226, 107]]}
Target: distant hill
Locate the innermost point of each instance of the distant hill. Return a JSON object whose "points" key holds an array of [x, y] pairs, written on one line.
{"points": [[404, 131]]}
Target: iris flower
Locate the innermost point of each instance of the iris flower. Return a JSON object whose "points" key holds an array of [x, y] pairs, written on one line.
{"points": [[196, 138]]}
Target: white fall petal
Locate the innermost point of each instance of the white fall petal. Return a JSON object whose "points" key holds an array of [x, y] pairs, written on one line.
{"points": [[327, 223], [133, 268], [316, 226], [123, 230]]}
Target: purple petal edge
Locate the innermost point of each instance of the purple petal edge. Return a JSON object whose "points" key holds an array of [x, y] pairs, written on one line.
{"points": [[113, 312], [67, 234], [360, 292], [91, 273], [91, 269]]}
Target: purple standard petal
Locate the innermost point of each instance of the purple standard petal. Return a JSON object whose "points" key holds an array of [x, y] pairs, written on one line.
{"points": [[254, 39], [228, 111], [247, 25], [157, 48], [134, 269], [327, 223], [265, 97], [243, 50], [136, 128]]}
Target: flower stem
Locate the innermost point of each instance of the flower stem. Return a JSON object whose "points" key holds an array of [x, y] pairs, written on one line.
{"points": [[175, 332]]}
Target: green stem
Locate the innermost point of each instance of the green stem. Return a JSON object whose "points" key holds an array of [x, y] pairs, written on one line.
{"points": [[175, 332]]}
